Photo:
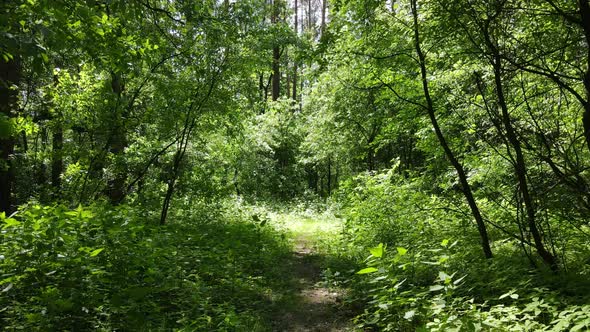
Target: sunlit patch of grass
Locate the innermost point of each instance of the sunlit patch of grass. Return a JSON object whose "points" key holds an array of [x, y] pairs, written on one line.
{"points": [[313, 227]]}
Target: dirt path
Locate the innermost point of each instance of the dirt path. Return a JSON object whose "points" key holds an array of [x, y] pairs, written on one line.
{"points": [[315, 307]]}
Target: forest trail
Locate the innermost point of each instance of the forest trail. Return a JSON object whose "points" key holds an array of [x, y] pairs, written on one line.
{"points": [[314, 307]]}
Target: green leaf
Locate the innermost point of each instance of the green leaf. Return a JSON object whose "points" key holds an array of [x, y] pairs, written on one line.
{"points": [[436, 288], [11, 222], [401, 251], [511, 294], [430, 263], [456, 282], [6, 125], [377, 251], [7, 288], [367, 270], [445, 242], [579, 326], [96, 252], [442, 276], [409, 314]]}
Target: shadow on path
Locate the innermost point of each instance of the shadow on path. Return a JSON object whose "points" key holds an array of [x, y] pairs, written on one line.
{"points": [[314, 307]]}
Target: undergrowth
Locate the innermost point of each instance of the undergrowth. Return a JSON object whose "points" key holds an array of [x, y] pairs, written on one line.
{"points": [[101, 268], [415, 264]]}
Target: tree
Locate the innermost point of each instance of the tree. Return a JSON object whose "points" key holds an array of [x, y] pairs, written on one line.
{"points": [[465, 188]]}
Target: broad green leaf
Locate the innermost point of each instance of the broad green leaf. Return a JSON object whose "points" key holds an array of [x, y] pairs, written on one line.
{"points": [[401, 251], [377, 251], [367, 270], [11, 222], [442, 276], [580, 326]]}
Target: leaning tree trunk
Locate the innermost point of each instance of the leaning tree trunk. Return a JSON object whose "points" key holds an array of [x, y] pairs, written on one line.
{"points": [[442, 140], [519, 164]]}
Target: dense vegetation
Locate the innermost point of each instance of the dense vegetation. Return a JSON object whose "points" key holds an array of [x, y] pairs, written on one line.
{"points": [[146, 145]]}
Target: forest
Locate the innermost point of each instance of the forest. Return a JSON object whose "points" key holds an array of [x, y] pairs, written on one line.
{"points": [[295, 165]]}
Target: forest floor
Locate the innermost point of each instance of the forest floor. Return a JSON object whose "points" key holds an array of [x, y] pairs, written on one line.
{"points": [[314, 306]]}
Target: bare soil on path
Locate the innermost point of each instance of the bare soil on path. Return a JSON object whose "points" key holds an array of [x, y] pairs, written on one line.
{"points": [[314, 307]]}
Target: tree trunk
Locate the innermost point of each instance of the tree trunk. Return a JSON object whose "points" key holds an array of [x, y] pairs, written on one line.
{"points": [[57, 157], [117, 144], [309, 16], [10, 73], [329, 176], [276, 54], [323, 21], [295, 60], [448, 152], [520, 165], [585, 23], [288, 78]]}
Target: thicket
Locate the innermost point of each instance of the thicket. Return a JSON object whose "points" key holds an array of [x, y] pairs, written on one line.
{"points": [[100, 268]]}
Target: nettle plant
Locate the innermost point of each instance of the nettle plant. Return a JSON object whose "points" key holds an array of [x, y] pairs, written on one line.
{"points": [[417, 290], [407, 287]]}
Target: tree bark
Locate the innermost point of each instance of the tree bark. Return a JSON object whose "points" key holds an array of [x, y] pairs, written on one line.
{"points": [[323, 21], [10, 74], [57, 157], [519, 165], [295, 60], [585, 24], [117, 144], [276, 55], [481, 226]]}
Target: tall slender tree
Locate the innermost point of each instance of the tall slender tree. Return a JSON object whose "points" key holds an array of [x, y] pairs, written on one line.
{"points": [[430, 108]]}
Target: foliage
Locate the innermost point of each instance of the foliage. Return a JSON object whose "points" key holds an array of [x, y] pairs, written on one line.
{"points": [[98, 268], [407, 119], [426, 273]]}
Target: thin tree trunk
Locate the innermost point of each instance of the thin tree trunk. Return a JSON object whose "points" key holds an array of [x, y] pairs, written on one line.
{"points": [[276, 55], [329, 176], [57, 156], [295, 60], [449, 153], [183, 141], [585, 23], [117, 144], [520, 165], [288, 78], [309, 16], [10, 74], [323, 21]]}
